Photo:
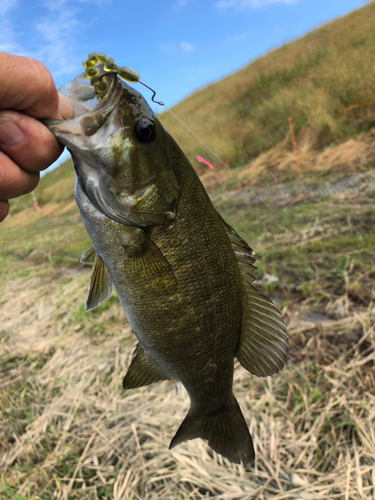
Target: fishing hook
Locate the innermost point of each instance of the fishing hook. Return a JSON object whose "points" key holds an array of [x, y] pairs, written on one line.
{"points": [[154, 93]]}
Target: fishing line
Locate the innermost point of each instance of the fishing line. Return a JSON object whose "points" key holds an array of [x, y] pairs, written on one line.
{"points": [[291, 228]]}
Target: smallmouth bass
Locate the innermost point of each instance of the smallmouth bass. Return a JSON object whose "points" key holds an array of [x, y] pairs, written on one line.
{"points": [[183, 275]]}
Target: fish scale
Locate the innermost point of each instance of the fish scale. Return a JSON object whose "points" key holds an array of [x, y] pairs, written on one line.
{"points": [[183, 276]]}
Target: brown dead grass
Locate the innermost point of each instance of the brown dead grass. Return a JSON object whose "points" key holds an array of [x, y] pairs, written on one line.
{"points": [[337, 160], [312, 425]]}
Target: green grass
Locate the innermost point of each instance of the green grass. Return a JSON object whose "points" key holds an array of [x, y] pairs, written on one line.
{"points": [[56, 186]]}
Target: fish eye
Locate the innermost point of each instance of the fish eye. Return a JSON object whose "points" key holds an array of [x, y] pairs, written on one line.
{"points": [[145, 131]]}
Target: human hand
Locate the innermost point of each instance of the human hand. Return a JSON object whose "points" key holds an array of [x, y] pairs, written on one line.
{"points": [[27, 93]]}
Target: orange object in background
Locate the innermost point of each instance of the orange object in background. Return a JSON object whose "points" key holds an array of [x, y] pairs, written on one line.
{"points": [[202, 160]]}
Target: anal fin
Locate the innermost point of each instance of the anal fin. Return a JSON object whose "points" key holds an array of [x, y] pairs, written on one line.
{"points": [[142, 372]]}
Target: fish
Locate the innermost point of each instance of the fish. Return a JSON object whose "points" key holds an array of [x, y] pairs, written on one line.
{"points": [[184, 277]]}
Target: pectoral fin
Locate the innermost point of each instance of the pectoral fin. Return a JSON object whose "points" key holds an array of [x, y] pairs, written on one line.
{"points": [[152, 267], [141, 372], [100, 286], [263, 348], [145, 261], [89, 256]]}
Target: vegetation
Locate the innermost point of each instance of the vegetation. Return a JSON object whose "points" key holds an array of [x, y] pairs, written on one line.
{"points": [[68, 430], [324, 81]]}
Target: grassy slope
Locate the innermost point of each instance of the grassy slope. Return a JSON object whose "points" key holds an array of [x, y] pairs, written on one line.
{"points": [[324, 81], [67, 430]]}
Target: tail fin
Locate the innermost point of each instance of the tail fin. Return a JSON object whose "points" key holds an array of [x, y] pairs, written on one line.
{"points": [[226, 432]]}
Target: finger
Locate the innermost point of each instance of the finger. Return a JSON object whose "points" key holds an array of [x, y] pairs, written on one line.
{"points": [[27, 141], [65, 108], [27, 86], [4, 209], [14, 181]]}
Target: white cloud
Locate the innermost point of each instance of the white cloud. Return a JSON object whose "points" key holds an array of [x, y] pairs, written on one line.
{"points": [[246, 4], [234, 38], [99, 2], [53, 39], [58, 29], [181, 3], [187, 47], [171, 47], [7, 5]]}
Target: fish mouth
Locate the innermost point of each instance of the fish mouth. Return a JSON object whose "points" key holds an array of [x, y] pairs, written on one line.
{"points": [[91, 122], [112, 94], [86, 105]]}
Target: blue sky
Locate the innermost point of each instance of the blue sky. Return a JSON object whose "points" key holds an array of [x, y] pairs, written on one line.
{"points": [[176, 46]]}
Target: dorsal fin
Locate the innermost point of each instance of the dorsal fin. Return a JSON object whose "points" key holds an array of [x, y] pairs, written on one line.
{"points": [[263, 348], [100, 286], [242, 251]]}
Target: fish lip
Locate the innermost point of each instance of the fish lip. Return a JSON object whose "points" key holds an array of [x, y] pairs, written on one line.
{"points": [[109, 101]]}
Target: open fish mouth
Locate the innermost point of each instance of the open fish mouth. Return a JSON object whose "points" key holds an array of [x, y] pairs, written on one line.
{"points": [[89, 103], [109, 97]]}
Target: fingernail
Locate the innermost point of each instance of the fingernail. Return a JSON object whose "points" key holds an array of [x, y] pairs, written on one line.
{"points": [[10, 133]]}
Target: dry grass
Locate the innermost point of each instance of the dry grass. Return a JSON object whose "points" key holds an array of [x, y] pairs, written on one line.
{"points": [[68, 430], [354, 155], [84, 437]]}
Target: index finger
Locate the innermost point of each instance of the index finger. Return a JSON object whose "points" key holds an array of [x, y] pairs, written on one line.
{"points": [[27, 86]]}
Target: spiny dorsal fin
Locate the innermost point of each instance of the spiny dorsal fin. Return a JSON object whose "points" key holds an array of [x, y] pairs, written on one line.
{"points": [[141, 372], [263, 348], [100, 286], [89, 256]]}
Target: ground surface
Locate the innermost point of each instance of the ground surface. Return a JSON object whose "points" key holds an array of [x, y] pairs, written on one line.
{"points": [[68, 430]]}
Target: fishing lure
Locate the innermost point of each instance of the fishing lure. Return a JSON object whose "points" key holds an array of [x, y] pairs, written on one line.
{"points": [[92, 72]]}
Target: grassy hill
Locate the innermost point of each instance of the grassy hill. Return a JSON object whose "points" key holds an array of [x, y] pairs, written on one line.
{"points": [[68, 430], [325, 81]]}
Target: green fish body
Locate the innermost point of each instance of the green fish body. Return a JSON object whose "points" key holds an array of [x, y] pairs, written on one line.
{"points": [[183, 276]]}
